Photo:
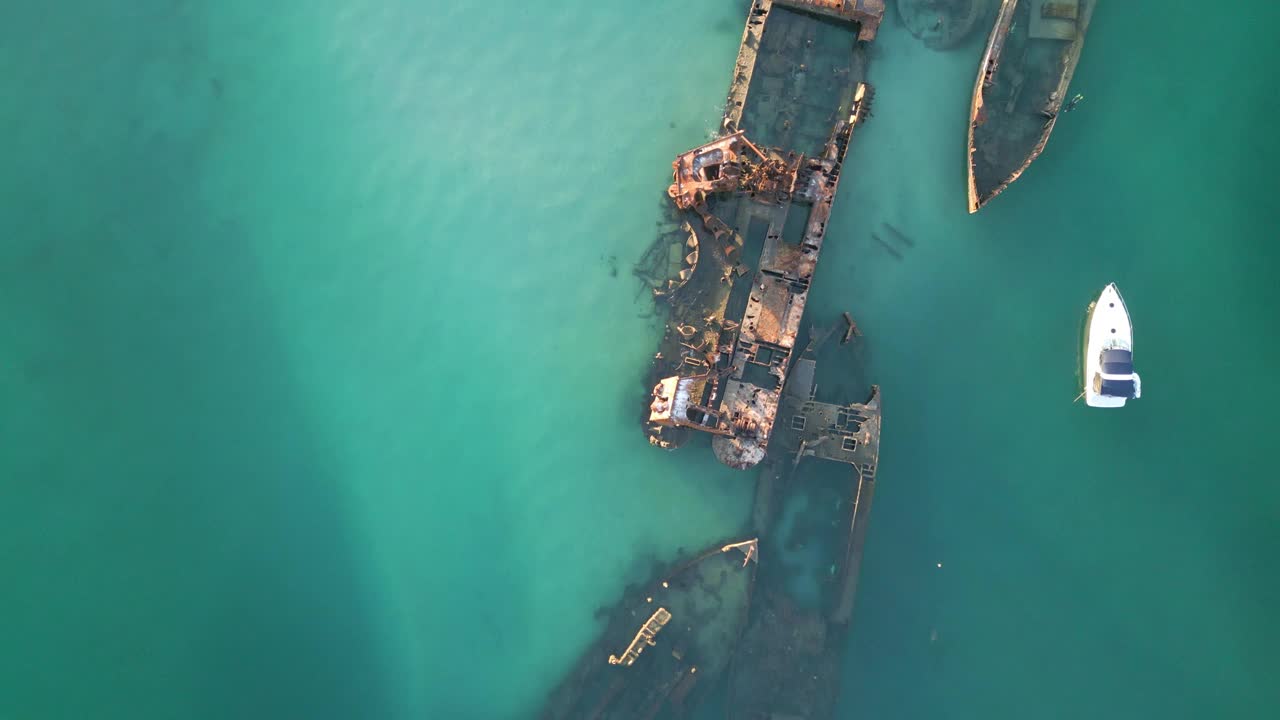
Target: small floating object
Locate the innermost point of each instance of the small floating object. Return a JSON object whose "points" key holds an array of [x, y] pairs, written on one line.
{"points": [[1109, 378]]}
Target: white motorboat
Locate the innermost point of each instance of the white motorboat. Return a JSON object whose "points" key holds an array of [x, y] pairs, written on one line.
{"points": [[1109, 378]]}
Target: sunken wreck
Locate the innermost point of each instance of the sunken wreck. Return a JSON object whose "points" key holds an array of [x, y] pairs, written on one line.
{"points": [[1021, 88], [758, 622]]}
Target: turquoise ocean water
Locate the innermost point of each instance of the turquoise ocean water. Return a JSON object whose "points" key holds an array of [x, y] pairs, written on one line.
{"points": [[319, 389]]}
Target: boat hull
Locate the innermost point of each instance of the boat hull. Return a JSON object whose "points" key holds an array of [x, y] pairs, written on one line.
{"points": [[1109, 326], [1019, 92]]}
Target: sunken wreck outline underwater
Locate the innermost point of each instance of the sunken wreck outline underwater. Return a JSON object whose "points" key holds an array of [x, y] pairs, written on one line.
{"points": [[760, 618]]}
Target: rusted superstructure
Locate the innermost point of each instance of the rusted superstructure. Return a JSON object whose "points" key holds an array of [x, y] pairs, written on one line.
{"points": [[756, 202], [733, 268], [1021, 89]]}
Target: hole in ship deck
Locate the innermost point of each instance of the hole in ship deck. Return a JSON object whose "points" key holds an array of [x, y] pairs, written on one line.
{"points": [[760, 376], [797, 221], [752, 246]]}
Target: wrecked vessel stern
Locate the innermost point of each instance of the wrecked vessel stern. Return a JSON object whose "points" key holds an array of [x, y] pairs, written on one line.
{"points": [[747, 220]]}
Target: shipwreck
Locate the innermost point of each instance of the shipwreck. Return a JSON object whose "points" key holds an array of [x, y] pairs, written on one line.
{"points": [[753, 207], [758, 621], [1021, 89]]}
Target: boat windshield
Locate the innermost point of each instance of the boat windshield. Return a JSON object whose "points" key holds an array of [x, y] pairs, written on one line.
{"points": [[1117, 388], [1117, 362]]}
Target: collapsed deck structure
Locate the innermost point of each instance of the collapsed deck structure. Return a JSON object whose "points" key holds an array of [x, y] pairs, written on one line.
{"points": [[755, 203], [734, 269]]}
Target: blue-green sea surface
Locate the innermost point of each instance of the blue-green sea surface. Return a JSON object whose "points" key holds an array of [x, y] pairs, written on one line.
{"points": [[321, 362]]}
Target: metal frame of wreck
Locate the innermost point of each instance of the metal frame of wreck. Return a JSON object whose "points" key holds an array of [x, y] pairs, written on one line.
{"points": [[719, 398]]}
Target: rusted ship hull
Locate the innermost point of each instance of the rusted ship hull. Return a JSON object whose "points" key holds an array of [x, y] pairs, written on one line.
{"points": [[1021, 88]]}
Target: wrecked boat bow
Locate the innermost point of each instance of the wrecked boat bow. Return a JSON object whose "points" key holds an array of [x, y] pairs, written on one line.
{"points": [[1021, 88], [732, 269]]}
